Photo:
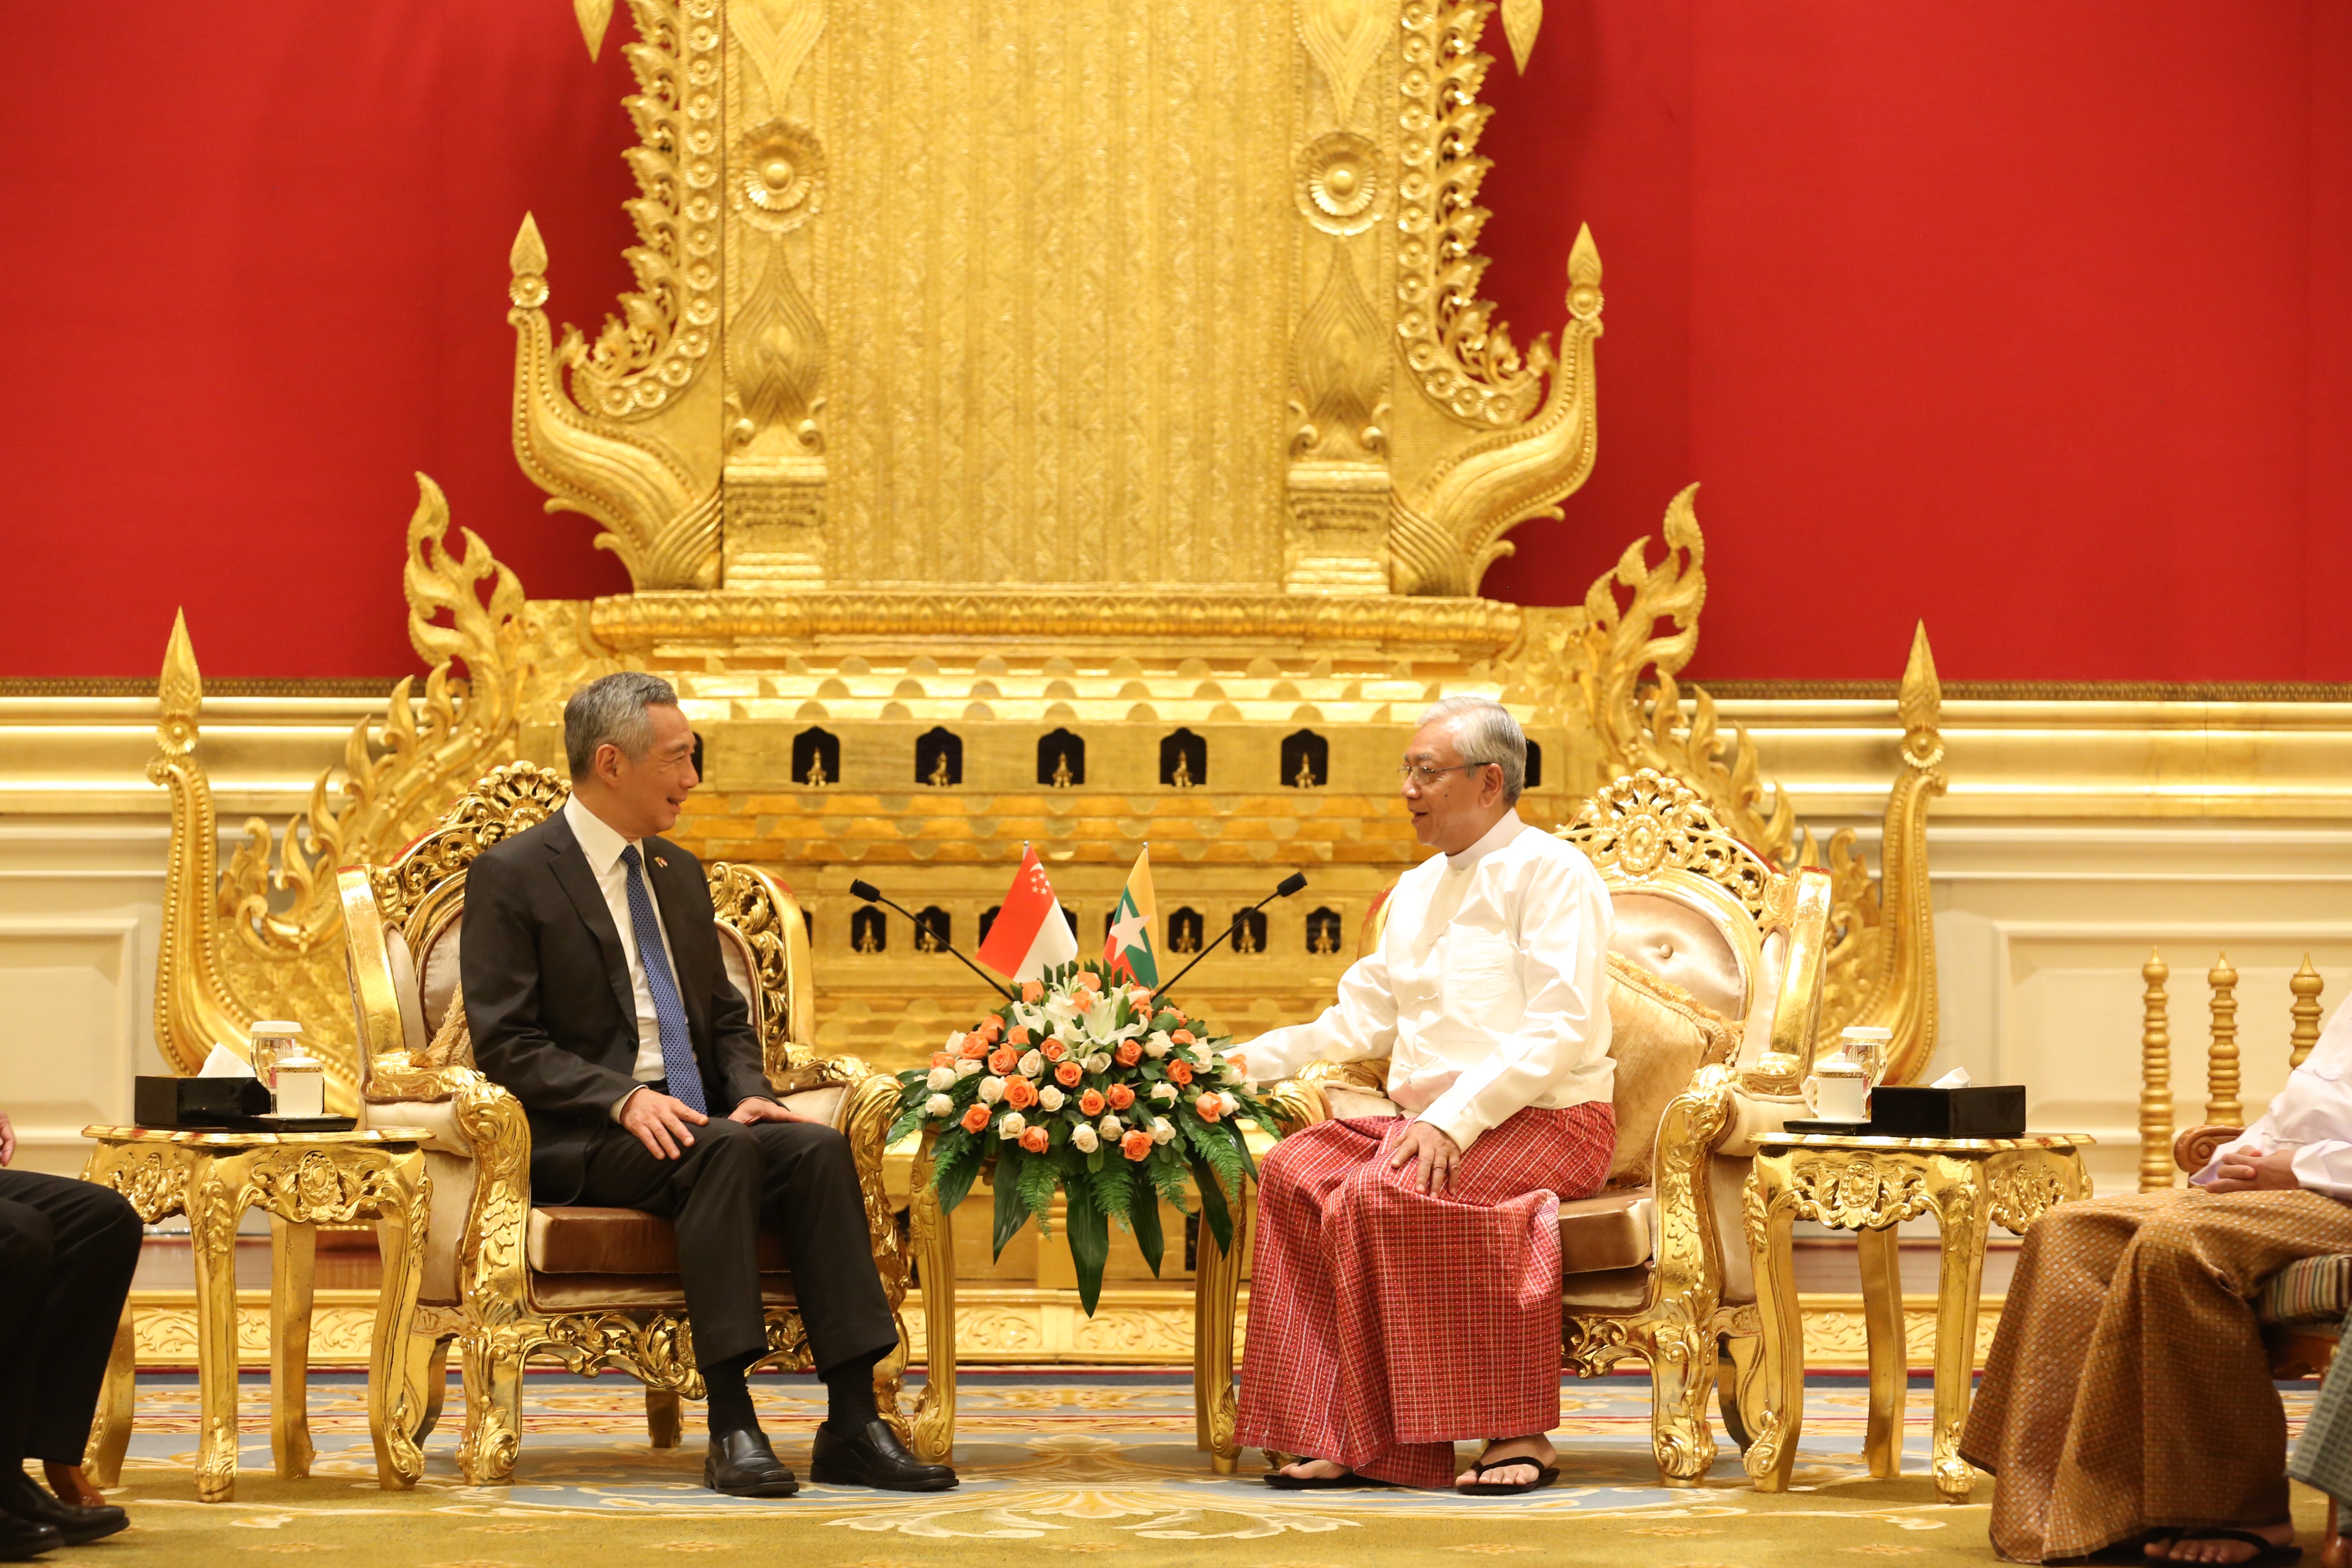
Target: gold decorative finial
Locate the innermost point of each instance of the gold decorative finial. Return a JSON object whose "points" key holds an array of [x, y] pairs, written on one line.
{"points": [[528, 262], [2306, 985], [1921, 703], [2155, 1079], [180, 689], [2221, 1105], [1584, 277], [1521, 19], [595, 15]]}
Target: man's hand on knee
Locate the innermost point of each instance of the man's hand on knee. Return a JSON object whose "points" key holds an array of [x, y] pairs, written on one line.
{"points": [[663, 1124], [752, 1111], [1437, 1153]]}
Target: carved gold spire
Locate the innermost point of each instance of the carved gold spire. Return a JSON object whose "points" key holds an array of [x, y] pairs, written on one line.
{"points": [[595, 15]]}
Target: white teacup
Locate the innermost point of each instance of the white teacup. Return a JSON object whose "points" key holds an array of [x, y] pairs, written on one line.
{"points": [[1838, 1090]]}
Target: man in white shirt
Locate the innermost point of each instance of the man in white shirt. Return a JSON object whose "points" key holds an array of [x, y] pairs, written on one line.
{"points": [[594, 992], [1407, 1276], [2127, 1396]]}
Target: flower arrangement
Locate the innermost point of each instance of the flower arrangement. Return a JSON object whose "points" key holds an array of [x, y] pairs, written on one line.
{"points": [[1087, 1084]]}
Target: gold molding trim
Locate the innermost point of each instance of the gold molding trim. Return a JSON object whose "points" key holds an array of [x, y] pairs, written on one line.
{"points": [[371, 687], [1006, 1327]]}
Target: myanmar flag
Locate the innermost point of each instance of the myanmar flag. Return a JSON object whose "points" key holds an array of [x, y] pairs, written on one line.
{"points": [[1127, 951]]}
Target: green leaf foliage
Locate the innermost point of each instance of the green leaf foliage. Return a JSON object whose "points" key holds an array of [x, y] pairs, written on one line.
{"points": [[956, 1167], [1144, 1220], [1213, 1213], [1038, 1178], [1089, 1243], [1011, 1212]]}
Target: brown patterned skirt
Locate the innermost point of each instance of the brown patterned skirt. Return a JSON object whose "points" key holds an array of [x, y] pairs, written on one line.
{"points": [[2127, 1389]]}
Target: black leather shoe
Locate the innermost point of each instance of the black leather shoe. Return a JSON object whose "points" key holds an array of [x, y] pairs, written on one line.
{"points": [[21, 1538], [21, 1498], [871, 1457], [741, 1464]]}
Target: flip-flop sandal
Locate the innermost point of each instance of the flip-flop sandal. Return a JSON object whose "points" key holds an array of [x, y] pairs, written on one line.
{"points": [[2267, 1554], [1342, 1481], [1475, 1487]]}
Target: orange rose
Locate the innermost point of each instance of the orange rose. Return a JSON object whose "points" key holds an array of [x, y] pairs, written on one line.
{"points": [[1020, 1093], [974, 1047], [1136, 1145], [1178, 1073], [1054, 1050], [1088, 978], [1122, 1097], [1129, 1053], [991, 1028], [1182, 1037], [941, 1059], [1034, 1140], [1032, 993], [1208, 1107], [1142, 994], [1018, 1035], [1090, 1104], [975, 1118], [1004, 1060], [1068, 1074]]}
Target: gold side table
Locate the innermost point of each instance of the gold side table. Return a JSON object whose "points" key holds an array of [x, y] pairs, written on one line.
{"points": [[301, 1179], [1869, 1185]]}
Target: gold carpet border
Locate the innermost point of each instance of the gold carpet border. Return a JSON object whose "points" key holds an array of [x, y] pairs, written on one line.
{"points": [[995, 1327]]}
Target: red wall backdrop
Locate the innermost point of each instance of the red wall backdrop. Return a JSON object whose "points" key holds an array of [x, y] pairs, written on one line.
{"points": [[2032, 317]]}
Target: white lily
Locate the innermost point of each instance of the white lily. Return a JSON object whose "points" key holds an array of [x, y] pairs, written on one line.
{"points": [[938, 1107]]}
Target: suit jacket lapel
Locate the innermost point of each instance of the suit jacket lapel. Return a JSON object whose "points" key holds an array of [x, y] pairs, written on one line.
{"points": [[578, 884], [679, 914]]}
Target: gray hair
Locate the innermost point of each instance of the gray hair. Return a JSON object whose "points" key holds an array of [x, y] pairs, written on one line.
{"points": [[1484, 731], [613, 709]]}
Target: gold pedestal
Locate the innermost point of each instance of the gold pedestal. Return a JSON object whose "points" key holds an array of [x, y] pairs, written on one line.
{"points": [[1870, 1185], [301, 1180]]}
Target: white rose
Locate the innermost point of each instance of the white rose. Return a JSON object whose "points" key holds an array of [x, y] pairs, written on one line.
{"points": [[966, 1067], [1098, 1062], [1228, 1073], [1050, 1098], [991, 1089], [941, 1078], [1111, 1130], [1157, 1045], [1165, 1093], [1010, 1126], [955, 1043], [939, 1107], [1163, 1129], [1032, 1064], [1083, 1138]]}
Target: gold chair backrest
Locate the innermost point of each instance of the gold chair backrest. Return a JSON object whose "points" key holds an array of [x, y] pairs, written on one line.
{"points": [[421, 898]]}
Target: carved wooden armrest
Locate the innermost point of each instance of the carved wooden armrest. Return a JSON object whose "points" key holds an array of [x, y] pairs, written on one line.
{"points": [[1301, 1102], [2195, 1149], [394, 1078], [1695, 1122]]}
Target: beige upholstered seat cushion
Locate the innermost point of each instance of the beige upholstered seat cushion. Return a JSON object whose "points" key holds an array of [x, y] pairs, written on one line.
{"points": [[1679, 944], [437, 972], [581, 1240], [414, 1035], [1611, 1231]]}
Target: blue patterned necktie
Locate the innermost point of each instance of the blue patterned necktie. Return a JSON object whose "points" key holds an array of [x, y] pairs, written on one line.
{"points": [[669, 1013]]}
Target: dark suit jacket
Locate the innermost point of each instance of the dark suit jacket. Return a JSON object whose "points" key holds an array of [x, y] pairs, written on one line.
{"points": [[550, 1005]]}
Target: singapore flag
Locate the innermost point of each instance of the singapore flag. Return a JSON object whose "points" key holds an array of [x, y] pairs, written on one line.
{"points": [[1031, 934]]}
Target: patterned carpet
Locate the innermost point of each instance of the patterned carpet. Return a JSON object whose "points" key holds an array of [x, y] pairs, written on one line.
{"points": [[1053, 1467]]}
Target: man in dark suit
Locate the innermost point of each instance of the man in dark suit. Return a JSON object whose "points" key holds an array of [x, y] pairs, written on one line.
{"points": [[595, 994], [67, 1252]]}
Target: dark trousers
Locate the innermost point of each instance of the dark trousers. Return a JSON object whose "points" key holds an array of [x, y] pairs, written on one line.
{"points": [[797, 1176], [68, 1249]]}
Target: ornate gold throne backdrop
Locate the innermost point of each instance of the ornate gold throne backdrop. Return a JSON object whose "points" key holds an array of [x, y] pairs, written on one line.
{"points": [[1070, 423]]}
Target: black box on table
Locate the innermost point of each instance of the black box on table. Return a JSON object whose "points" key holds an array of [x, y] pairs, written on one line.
{"points": [[199, 1102], [1979, 1111]]}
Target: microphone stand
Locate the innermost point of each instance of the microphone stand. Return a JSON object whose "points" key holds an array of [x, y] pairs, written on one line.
{"points": [[1232, 932], [873, 895]]}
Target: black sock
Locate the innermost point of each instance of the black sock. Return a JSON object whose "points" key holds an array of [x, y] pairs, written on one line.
{"points": [[849, 1394], [730, 1396]]}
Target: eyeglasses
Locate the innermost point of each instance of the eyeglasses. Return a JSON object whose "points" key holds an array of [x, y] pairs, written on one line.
{"points": [[1426, 776]]}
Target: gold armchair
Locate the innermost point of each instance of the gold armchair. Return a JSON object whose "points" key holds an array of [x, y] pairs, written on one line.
{"points": [[593, 1289], [1717, 964]]}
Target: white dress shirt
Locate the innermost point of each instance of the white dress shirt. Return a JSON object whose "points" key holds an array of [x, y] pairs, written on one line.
{"points": [[2312, 1116], [1488, 993], [602, 845]]}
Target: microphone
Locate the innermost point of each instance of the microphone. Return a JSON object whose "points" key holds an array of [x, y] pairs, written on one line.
{"points": [[873, 895], [1232, 933]]}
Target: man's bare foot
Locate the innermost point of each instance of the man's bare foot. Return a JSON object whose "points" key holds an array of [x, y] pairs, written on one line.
{"points": [[1537, 1449], [1313, 1470], [2205, 1546]]}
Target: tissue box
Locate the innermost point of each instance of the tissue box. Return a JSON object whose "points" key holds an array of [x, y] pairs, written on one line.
{"points": [[199, 1102], [1980, 1110]]}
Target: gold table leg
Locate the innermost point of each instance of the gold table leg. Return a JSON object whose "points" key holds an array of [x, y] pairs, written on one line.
{"points": [[215, 1199], [1881, 1316], [933, 1425], [1957, 1189], [293, 1269], [1772, 1453], [1216, 1287], [394, 1404]]}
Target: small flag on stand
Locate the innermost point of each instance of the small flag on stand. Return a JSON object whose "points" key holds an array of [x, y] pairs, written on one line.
{"points": [[1127, 951], [1031, 934]]}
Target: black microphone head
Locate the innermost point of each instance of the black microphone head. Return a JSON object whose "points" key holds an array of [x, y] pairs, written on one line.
{"points": [[1291, 884], [866, 891]]}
